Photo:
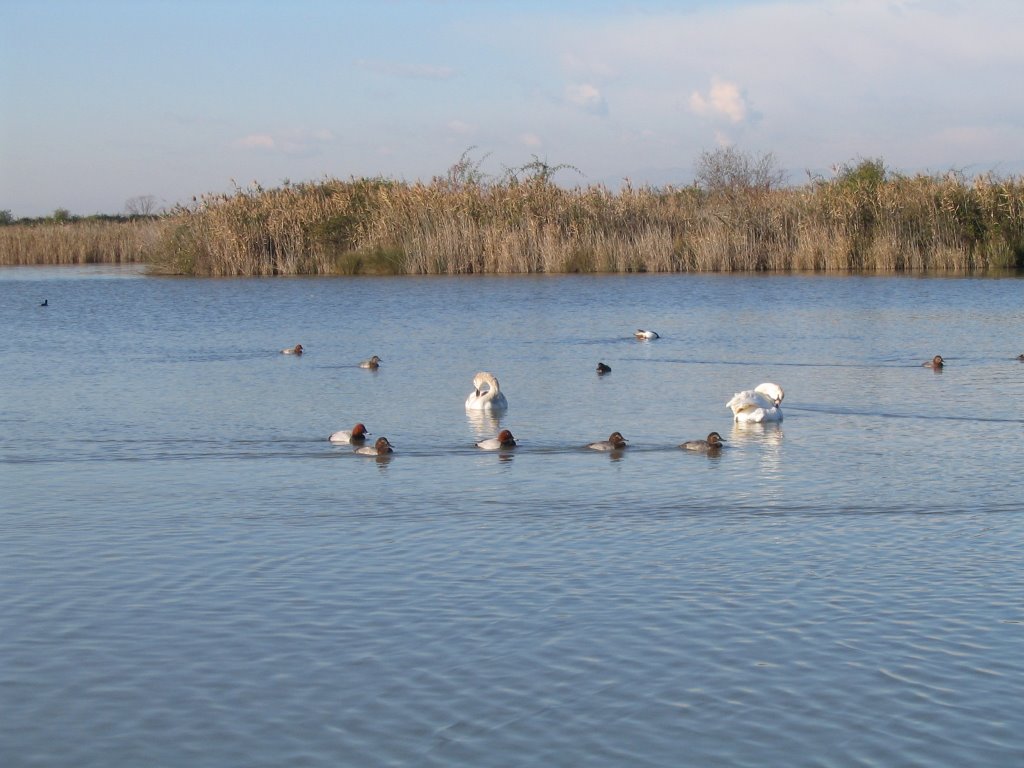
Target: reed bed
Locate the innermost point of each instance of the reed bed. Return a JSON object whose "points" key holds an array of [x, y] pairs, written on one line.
{"points": [[378, 226], [861, 221], [79, 242]]}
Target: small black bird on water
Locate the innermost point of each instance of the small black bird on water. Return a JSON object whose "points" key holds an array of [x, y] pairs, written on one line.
{"points": [[46, 303]]}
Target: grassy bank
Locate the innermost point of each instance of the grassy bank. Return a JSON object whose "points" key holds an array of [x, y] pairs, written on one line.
{"points": [[860, 221], [83, 241]]}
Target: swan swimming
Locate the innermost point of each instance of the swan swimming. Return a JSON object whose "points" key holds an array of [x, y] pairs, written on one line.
{"points": [[758, 404], [713, 443], [615, 442], [504, 439], [489, 399], [379, 448], [373, 363], [296, 350], [357, 434], [935, 362], [645, 335], [603, 369]]}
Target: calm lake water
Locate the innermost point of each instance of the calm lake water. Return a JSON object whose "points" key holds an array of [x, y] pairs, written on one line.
{"points": [[192, 575]]}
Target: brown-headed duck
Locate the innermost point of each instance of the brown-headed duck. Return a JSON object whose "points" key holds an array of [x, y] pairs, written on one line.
{"points": [[379, 448], [615, 442], [714, 442], [504, 439], [357, 434]]}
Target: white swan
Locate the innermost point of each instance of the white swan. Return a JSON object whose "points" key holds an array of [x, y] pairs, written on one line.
{"points": [[489, 399], [758, 404]]}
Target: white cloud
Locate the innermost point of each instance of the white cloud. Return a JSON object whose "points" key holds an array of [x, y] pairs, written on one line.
{"points": [[300, 142], [586, 97], [461, 128], [530, 140], [723, 100], [256, 141]]}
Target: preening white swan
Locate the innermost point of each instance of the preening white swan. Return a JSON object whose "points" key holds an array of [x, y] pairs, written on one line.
{"points": [[486, 394], [758, 404]]}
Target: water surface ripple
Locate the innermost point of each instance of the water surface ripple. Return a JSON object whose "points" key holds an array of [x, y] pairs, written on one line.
{"points": [[191, 574]]}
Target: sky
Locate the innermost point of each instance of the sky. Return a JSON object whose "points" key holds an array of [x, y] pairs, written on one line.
{"points": [[107, 101]]}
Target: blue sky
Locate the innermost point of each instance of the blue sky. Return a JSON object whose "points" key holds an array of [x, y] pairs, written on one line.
{"points": [[105, 100]]}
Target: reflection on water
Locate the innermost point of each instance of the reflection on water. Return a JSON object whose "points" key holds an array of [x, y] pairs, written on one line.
{"points": [[484, 424], [191, 573]]}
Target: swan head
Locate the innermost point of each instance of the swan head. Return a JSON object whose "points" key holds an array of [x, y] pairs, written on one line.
{"points": [[771, 391], [484, 379], [617, 440]]}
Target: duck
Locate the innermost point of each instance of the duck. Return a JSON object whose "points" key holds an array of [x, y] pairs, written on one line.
{"points": [[379, 448], [489, 399], [602, 369], [615, 442], [505, 439], [645, 335], [357, 434], [296, 350], [757, 405], [935, 362], [373, 363], [46, 303], [1021, 357], [714, 442]]}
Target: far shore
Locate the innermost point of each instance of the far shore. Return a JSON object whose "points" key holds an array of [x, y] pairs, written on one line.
{"points": [[863, 221]]}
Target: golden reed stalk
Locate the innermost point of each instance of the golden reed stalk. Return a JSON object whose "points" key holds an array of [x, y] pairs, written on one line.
{"points": [[378, 226], [81, 242]]}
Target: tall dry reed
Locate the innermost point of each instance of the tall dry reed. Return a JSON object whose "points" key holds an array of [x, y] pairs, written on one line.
{"points": [[79, 242], [378, 226]]}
